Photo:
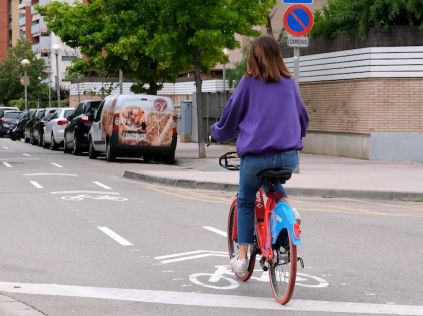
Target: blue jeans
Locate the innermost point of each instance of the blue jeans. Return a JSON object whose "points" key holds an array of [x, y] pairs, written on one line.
{"points": [[249, 183]]}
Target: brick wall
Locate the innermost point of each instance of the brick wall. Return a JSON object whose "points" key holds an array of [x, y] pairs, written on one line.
{"points": [[365, 105], [4, 29]]}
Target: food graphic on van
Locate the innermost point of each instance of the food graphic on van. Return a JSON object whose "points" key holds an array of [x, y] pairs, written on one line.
{"points": [[146, 125]]}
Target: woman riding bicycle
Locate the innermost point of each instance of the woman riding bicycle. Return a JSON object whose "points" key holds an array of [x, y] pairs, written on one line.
{"points": [[268, 116]]}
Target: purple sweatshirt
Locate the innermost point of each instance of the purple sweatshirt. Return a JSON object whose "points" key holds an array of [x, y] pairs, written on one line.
{"points": [[269, 117]]}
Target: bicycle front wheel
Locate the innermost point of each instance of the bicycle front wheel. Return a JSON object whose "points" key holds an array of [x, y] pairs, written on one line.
{"points": [[283, 272], [233, 245]]}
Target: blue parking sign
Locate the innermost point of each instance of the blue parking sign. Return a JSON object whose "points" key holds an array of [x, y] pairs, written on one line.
{"points": [[297, 1]]}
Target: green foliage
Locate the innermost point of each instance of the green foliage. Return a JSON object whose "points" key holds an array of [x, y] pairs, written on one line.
{"points": [[153, 41], [358, 16], [11, 72]]}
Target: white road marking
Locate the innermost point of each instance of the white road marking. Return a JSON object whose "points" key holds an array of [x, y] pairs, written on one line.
{"points": [[115, 236], [56, 164], [27, 155], [102, 185], [14, 158], [215, 230], [8, 165], [51, 174], [190, 255], [4, 147], [208, 300], [36, 184], [94, 192]]}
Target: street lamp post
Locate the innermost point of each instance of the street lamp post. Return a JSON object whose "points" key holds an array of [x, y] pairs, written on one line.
{"points": [[55, 49], [226, 52], [25, 64]]}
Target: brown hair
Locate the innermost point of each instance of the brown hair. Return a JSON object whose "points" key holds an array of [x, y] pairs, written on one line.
{"points": [[265, 60]]}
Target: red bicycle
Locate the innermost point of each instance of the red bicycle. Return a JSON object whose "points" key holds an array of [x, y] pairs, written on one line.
{"points": [[277, 233]]}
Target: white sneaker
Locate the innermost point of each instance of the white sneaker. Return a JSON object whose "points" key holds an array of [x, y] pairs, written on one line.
{"points": [[239, 265]]}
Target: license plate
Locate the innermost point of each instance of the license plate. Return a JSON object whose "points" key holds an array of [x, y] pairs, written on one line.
{"points": [[135, 136]]}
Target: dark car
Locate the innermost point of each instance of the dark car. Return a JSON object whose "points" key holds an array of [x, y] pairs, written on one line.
{"points": [[28, 127], [37, 129], [76, 132], [8, 118]]}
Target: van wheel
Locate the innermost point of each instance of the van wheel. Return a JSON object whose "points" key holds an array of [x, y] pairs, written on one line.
{"points": [[76, 149], [110, 152], [32, 139], [92, 154], [170, 159], [147, 158]]}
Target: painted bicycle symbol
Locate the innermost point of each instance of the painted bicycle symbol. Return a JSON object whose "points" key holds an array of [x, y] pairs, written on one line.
{"points": [[224, 279], [81, 197]]}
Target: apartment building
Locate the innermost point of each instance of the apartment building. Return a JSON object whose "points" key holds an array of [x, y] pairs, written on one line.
{"points": [[33, 27], [9, 29]]}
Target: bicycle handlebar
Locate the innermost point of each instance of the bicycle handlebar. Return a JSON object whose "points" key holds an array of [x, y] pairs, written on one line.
{"points": [[225, 159]]}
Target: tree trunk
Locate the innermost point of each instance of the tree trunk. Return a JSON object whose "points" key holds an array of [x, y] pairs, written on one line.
{"points": [[198, 83]]}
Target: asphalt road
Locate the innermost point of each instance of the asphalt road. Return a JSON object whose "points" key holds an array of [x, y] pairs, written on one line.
{"points": [[78, 239]]}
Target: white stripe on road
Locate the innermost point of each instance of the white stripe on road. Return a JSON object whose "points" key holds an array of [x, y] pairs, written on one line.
{"points": [[4, 147], [115, 236], [95, 192], [51, 174], [36, 184], [27, 155], [56, 164], [207, 300], [215, 230], [8, 165], [102, 185]]}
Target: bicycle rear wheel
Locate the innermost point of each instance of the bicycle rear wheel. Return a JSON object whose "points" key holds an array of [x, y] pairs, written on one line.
{"points": [[233, 245], [283, 272]]}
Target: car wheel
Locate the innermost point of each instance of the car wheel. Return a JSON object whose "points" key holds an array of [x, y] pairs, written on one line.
{"points": [[65, 147], [45, 144], [110, 152], [32, 139], [54, 145], [92, 154], [147, 157], [76, 149]]}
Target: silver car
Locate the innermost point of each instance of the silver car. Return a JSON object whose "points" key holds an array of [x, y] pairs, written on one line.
{"points": [[55, 126]]}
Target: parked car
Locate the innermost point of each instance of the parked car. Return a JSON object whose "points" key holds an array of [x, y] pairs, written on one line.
{"points": [[76, 132], [38, 127], [134, 125], [7, 108], [16, 130], [28, 126], [7, 119], [55, 127]]}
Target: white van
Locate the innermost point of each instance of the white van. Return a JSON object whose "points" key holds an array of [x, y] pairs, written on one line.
{"points": [[134, 125]]}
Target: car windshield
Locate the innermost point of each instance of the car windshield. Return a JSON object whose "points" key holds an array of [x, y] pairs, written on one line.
{"points": [[12, 115]]}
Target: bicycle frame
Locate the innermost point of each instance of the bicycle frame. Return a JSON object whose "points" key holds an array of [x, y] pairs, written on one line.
{"points": [[271, 219]]}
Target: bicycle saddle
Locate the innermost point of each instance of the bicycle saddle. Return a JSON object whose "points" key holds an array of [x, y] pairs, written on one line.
{"points": [[272, 175]]}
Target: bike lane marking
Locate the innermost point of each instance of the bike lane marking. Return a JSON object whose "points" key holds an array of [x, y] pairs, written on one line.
{"points": [[56, 165], [51, 174], [102, 185], [215, 230], [207, 300], [27, 155], [119, 239], [190, 255], [36, 184], [6, 164]]}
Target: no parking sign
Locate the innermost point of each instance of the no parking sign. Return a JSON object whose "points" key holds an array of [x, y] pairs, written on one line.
{"points": [[298, 20]]}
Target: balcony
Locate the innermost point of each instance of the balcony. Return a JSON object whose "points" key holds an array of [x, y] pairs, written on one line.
{"points": [[36, 48], [22, 21], [35, 29], [45, 44]]}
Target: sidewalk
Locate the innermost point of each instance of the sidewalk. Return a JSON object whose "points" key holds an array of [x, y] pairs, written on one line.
{"points": [[319, 175]]}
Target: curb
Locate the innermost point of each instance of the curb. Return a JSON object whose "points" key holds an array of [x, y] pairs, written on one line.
{"points": [[12, 307], [292, 191]]}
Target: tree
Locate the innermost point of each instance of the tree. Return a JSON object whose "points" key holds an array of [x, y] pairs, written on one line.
{"points": [[195, 32], [113, 35], [358, 16], [11, 72]]}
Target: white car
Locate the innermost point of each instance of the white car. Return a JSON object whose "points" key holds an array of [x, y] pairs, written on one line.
{"points": [[55, 126]]}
